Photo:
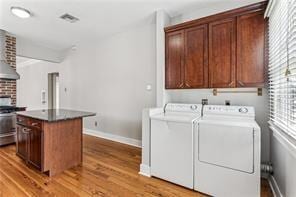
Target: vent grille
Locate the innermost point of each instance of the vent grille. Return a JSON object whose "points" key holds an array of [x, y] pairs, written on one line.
{"points": [[69, 18]]}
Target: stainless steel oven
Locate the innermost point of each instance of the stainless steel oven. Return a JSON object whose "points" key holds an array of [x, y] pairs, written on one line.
{"points": [[7, 121], [7, 128]]}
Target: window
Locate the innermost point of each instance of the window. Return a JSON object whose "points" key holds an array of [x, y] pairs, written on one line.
{"points": [[282, 65]]}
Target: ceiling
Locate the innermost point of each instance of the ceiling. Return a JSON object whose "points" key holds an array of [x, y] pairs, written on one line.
{"points": [[98, 18]]}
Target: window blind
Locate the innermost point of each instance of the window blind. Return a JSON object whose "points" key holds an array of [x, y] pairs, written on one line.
{"points": [[282, 65]]}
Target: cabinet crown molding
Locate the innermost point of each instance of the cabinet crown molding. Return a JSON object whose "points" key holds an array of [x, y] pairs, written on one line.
{"points": [[227, 14]]}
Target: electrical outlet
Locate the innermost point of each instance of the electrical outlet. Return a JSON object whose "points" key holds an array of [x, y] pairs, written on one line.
{"points": [[96, 123]]}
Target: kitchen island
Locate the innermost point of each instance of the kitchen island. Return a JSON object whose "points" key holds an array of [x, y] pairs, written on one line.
{"points": [[50, 140]]}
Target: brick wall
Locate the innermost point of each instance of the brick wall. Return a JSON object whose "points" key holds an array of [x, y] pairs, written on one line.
{"points": [[8, 87]]}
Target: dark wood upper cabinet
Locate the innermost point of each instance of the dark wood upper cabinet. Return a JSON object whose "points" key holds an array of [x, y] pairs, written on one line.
{"points": [[251, 49], [225, 50], [222, 53], [196, 57], [174, 60]]}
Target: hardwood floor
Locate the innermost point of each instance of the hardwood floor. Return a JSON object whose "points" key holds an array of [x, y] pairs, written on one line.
{"points": [[109, 169]]}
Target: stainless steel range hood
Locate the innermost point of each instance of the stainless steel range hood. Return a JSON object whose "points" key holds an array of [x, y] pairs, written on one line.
{"points": [[6, 71]]}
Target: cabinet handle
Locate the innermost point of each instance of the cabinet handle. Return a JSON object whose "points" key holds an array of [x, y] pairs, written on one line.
{"points": [[186, 85], [34, 124], [231, 83], [241, 84], [26, 131]]}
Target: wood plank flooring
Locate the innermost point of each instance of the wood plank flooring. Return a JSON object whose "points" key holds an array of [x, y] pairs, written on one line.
{"points": [[109, 169]]}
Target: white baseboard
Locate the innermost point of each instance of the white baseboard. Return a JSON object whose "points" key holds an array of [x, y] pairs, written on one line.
{"points": [[274, 187], [145, 170], [112, 137]]}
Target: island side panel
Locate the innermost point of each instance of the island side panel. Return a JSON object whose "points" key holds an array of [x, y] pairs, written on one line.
{"points": [[62, 145]]}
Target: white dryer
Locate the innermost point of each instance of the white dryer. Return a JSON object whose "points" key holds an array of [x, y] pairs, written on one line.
{"points": [[172, 143], [227, 152]]}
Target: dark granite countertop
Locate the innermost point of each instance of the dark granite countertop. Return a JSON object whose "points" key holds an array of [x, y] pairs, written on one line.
{"points": [[52, 115]]}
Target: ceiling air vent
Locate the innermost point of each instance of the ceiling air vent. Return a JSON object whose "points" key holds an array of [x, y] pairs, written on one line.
{"points": [[69, 18]]}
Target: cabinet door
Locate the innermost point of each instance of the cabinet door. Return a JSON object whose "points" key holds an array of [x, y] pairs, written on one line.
{"points": [[22, 142], [196, 57], [222, 53], [174, 60], [250, 50], [35, 148]]}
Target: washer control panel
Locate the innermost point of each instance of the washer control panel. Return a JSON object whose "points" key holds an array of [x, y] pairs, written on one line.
{"points": [[229, 110], [179, 107], [243, 110]]}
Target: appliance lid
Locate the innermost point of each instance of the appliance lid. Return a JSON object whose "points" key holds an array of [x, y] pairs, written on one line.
{"points": [[6, 71], [183, 108], [227, 122], [182, 118]]}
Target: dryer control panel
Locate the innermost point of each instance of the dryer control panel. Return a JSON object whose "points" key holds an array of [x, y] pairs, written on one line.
{"points": [[229, 110], [180, 107]]}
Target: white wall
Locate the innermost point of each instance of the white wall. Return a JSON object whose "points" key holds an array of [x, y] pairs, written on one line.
{"points": [[107, 76], [110, 78], [162, 20], [34, 79], [283, 157]]}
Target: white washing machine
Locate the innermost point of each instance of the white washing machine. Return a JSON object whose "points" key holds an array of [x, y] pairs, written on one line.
{"points": [[227, 152], [172, 143]]}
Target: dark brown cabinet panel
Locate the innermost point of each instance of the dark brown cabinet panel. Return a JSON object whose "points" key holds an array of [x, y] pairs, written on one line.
{"points": [[250, 50], [196, 57], [22, 139], [174, 60], [225, 50], [29, 134], [222, 53], [34, 156]]}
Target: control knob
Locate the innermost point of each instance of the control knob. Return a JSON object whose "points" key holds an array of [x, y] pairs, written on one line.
{"points": [[193, 107], [243, 110]]}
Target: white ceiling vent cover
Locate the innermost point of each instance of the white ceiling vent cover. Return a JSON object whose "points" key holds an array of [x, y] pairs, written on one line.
{"points": [[69, 18]]}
